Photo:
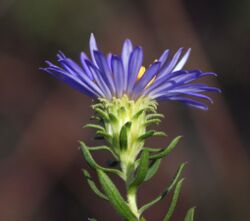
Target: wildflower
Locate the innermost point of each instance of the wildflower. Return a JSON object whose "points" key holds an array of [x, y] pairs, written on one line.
{"points": [[115, 76]]}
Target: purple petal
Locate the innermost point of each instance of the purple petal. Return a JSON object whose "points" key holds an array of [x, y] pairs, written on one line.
{"points": [[92, 47], [183, 61], [146, 78], [105, 70], [98, 77], [118, 72], [126, 53], [83, 58], [135, 63], [163, 57], [72, 81]]}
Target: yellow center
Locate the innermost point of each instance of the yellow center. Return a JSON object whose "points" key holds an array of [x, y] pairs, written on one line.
{"points": [[141, 73]]}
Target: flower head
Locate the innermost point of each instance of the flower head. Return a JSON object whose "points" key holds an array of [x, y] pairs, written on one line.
{"points": [[118, 75]]}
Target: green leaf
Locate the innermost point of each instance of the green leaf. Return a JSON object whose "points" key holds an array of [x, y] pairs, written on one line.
{"points": [[150, 116], [124, 136], [190, 214], [94, 126], [103, 147], [153, 169], [115, 197], [164, 152], [152, 121], [152, 150], [91, 219], [102, 114], [174, 201], [148, 134], [97, 105], [138, 114], [141, 171], [104, 134], [166, 191], [160, 134], [93, 186], [113, 118], [93, 164]]}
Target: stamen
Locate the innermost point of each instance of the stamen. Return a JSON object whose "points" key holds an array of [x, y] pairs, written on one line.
{"points": [[141, 72], [150, 82]]}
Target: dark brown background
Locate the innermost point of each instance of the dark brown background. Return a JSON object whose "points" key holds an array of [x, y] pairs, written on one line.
{"points": [[41, 118]]}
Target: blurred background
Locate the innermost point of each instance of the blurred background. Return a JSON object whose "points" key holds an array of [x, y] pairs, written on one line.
{"points": [[41, 119]]}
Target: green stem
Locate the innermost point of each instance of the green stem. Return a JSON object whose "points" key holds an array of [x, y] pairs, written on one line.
{"points": [[131, 197]]}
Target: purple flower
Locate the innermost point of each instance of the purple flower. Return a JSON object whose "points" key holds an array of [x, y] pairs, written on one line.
{"points": [[117, 75]]}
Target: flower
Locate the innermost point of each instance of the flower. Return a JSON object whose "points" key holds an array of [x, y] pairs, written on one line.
{"points": [[118, 75]]}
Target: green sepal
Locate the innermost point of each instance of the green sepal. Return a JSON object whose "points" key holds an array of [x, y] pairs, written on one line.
{"points": [[95, 118], [160, 134], [148, 134], [155, 164], [102, 114], [92, 185], [138, 114], [113, 118], [164, 152], [123, 137], [150, 116], [103, 147], [141, 171], [104, 134], [174, 200], [152, 150], [93, 164], [166, 191], [190, 214], [97, 105], [115, 197], [94, 126], [152, 121]]}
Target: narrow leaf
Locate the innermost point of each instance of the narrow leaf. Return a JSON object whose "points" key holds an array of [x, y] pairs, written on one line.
{"points": [[167, 150], [148, 134], [160, 134], [103, 147], [190, 214], [152, 121], [93, 186], [141, 171], [150, 116], [152, 150], [166, 191], [92, 162], [94, 126], [153, 169], [104, 134], [115, 197], [102, 114], [123, 137], [112, 118], [138, 114], [174, 201]]}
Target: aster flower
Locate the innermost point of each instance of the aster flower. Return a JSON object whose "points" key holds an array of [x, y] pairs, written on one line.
{"points": [[114, 76], [126, 95]]}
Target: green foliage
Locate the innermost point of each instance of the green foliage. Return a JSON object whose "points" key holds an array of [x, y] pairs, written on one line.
{"points": [[141, 171], [123, 124], [190, 215], [93, 186], [115, 197], [174, 201]]}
